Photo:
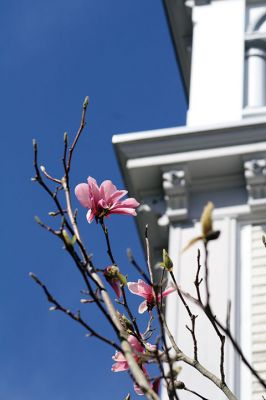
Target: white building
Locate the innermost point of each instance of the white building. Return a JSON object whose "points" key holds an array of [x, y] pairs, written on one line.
{"points": [[220, 155]]}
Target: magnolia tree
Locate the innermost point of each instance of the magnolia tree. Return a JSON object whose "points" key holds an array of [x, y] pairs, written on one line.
{"points": [[109, 289]]}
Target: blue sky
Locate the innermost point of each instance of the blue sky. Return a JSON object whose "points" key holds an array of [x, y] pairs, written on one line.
{"points": [[53, 54]]}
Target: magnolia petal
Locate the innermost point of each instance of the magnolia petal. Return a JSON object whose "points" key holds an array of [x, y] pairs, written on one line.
{"points": [[94, 190], [82, 194], [117, 195], [140, 288], [145, 287], [136, 345], [119, 357], [119, 366], [138, 390], [122, 210], [90, 216], [107, 188], [150, 347], [168, 291], [143, 307], [130, 202], [103, 204], [133, 287], [115, 283]]}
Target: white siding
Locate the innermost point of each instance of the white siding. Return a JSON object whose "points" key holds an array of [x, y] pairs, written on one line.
{"points": [[258, 308]]}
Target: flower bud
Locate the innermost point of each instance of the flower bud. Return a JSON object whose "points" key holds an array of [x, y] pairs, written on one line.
{"points": [[206, 219], [37, 219], [69, 241], [86, 102], [115, 278], [167, 262]]}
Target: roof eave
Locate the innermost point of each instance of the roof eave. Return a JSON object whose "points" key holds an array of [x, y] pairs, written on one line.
{"points": [[180, 25]]}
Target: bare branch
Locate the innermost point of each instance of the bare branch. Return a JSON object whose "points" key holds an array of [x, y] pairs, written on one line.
{"points": [[106, 234], [137, 267], [81, 127], [191, 316], [47, 227], [148, 255], [170, 387], [51, 178], [230, 337], [180, 356], [75, 317], [195, 393]]}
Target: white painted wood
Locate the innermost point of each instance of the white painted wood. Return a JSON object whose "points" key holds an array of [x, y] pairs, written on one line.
{"points": [[258, 307], [245, 308], [256, 77], [217, 62], [222, 281]]}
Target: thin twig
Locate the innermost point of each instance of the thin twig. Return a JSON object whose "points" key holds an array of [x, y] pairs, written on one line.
{"points": [[195, 393], [198, 280], [210, 316], [191, 316], [81, 127], [230, 337], [132, 318], [148, 256], [75, 317], [48, 176], [47, 227], [39, 179], [180, 356], [148, 332], [65, 152], [160, 364], [170, 387], [137, 267], [106, 235]]}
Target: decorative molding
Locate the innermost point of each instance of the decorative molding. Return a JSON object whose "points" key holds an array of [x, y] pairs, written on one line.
{"points": [[154, 205], [255, 175], [175, 195]]}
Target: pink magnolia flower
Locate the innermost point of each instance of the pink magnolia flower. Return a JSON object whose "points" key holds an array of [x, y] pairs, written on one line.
{"points": [[104, 200], [142, 289], [121, 362]]}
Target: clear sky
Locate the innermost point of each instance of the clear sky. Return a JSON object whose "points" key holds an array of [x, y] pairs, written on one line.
{"points": [[52, 54]]}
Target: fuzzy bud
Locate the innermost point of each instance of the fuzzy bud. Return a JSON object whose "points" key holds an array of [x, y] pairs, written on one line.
{"points": [[167, 262], [86, 102], [115, 278], [69, 241]]}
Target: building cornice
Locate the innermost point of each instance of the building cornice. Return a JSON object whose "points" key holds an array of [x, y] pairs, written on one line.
{"points": [[168, 169]]}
